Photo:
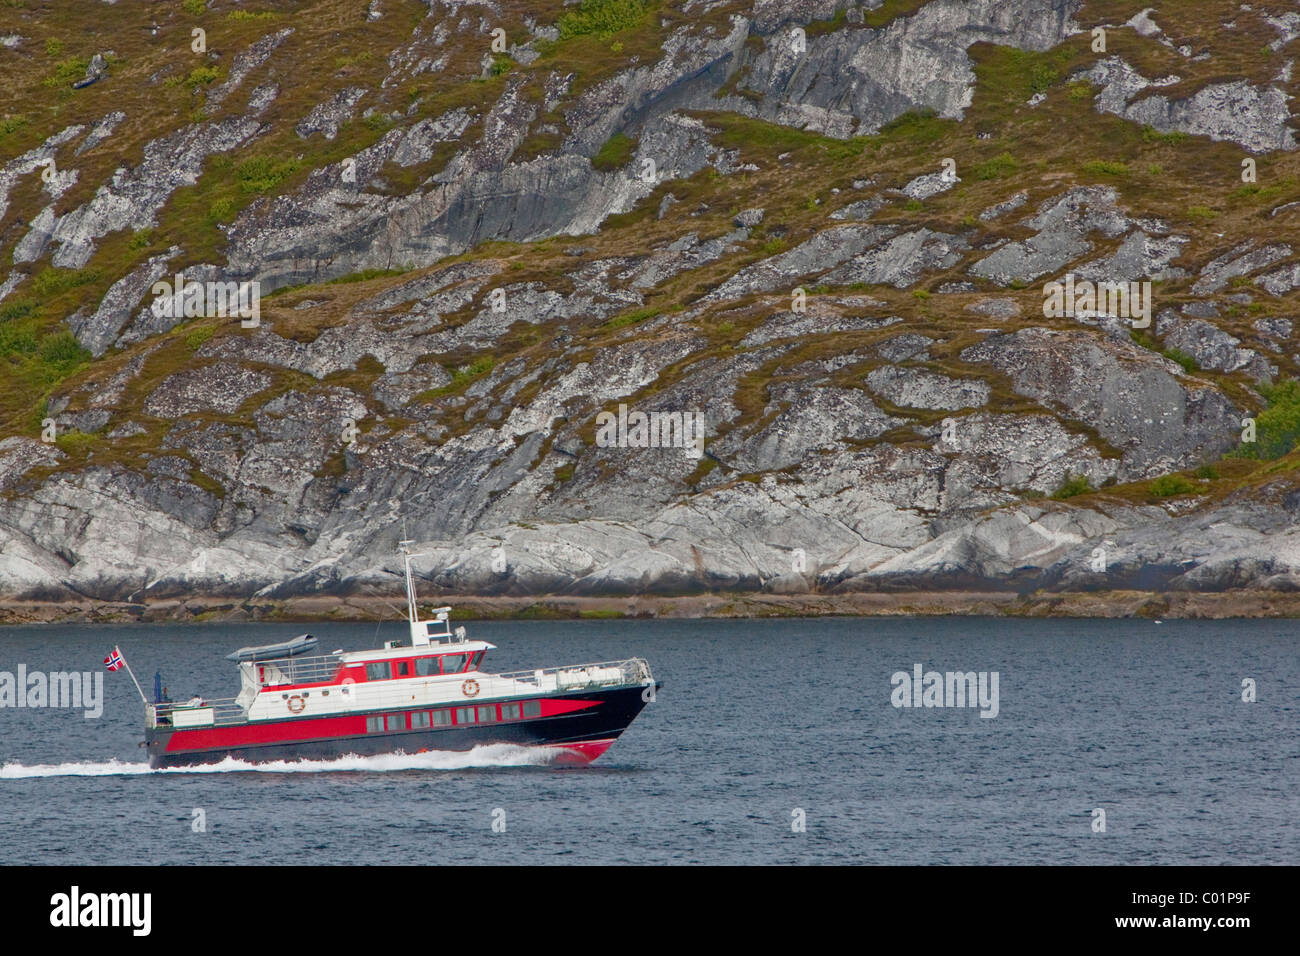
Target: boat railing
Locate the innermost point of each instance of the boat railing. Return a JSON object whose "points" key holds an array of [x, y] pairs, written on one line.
{"points": [[224, 711], [297, 670], [633, 671]]}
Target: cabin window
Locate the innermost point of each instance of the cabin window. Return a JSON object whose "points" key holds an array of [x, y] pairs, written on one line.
{"points": [[464, 715], [419, 720], [478, 656], [532, 708], [401, 669], [374, 725], [396, 721], [487, 714], [453, 663], [424, 666], [377, 671], [509, 711], [441, 718]]}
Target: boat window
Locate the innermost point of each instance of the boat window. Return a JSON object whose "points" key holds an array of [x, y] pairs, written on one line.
{"points": [[464, 715], [374, 725], [396, 721], [424, 666], [532, 708], [441, 718], [377, 671], [401, 669], [487, 714], [453, 663], [419, 719], [474, 663], [509, 711]]}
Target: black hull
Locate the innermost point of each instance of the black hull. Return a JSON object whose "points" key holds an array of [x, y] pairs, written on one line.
{"points": [[582, 729]]}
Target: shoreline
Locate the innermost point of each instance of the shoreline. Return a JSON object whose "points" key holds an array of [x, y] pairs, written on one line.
{"points": [[309, 609]]}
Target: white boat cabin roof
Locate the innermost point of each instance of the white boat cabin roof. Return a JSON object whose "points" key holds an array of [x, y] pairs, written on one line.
{"points": [[406, 650]]}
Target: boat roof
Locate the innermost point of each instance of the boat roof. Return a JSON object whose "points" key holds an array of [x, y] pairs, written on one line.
{"points": [[429, 650]]}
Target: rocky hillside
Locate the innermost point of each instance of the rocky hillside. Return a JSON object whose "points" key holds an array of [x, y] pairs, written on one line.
{"points": [[823, 227]]}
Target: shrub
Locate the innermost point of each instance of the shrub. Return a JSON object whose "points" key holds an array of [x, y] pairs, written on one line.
{"points": [[602, 18], [1168, 486], [1105, 167], [1277, 427], [1073, 485], [261, 174]]}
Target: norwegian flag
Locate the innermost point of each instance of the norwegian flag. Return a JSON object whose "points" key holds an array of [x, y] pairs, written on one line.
{"points": [[114, 660]]}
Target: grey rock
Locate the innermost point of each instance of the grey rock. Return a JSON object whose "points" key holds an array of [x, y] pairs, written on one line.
{"points": [[220, 387], [918, 388]]}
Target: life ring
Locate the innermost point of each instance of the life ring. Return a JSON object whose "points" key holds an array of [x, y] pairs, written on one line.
{"points": [[469, 688], [296, 704]]}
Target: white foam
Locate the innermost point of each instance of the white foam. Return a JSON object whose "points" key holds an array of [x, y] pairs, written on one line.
{"points": [[490, 755]]}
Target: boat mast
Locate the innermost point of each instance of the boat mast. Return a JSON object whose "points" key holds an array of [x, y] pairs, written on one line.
{"points": [[419, 632]]}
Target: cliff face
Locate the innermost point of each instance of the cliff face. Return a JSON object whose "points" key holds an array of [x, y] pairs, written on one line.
{"points": [[824, 228]]}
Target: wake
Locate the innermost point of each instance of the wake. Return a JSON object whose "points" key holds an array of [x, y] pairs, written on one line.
{"points": [[490, 755]]}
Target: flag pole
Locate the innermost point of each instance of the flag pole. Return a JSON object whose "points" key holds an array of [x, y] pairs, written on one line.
{"points": [[132, 673]]}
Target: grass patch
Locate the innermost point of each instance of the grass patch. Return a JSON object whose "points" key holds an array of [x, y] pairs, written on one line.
{"points": [[53, 281], [615, 154], [1106, 167], [194, 340], [365, 275], [1182, 358], [630, 318], [460, 378], [1172, 138], [999, 167]]}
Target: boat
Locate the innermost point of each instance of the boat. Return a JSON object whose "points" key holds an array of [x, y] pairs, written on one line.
{"points": [[428, 694]]}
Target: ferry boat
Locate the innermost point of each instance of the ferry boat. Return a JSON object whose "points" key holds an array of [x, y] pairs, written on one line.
{"points": [[428, 695]]}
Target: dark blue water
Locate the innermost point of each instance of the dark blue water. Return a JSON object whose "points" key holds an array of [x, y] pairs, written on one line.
{"points": [[757, 719]]}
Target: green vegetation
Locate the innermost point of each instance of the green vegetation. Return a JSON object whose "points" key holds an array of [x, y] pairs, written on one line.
{"points": [[52, 281], [1072, 486], [67, 72], [631, 318], [1278, 425], [195, 339], [195, 8], [261, 174], [615, 154], [1169, 486], [12, 124], [1172, 138], [365, 275], [1000, 166], [1106, 167], [201, 76], [75, 443], [602, 18], [917, 127], [1182, 358]]}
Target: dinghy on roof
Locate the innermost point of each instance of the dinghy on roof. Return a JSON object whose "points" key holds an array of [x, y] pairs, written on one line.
{"points": [[299, 645]]}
